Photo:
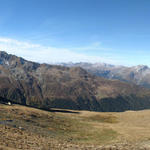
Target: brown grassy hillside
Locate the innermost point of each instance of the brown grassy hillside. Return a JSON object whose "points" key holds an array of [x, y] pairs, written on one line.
{"points": [[28, 128]]}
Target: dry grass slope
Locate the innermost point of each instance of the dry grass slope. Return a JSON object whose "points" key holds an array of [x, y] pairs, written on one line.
{"points": [[28, 128]]}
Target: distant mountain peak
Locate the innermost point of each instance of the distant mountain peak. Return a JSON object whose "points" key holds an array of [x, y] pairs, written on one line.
{"points": [[141, 68], [139, 74]]}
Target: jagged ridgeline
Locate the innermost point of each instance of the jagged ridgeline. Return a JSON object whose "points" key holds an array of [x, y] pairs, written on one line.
{"points": [[51, 86], [139, 75]]}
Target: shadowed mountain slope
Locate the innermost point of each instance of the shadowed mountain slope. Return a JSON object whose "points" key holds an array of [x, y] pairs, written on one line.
{"points": [[46, 86]]}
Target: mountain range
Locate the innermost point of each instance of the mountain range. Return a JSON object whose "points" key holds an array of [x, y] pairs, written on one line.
{"points": [[71, 87], [139, 75]]}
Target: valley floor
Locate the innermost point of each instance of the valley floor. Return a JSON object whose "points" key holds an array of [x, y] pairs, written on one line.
{"points": [[33, 129]]}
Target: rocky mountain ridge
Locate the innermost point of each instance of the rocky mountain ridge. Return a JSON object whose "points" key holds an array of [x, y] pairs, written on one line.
{"points": [[139, 75], [53, 86]]}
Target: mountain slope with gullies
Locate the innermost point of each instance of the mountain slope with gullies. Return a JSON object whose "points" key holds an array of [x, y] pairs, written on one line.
{"points": [[52, 86], [139, 75]]}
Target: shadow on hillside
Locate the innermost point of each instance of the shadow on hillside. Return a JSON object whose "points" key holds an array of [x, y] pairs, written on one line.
{"points": [[54, 109], [5, 101], [121, 104], [118, 104], [63, 111]]}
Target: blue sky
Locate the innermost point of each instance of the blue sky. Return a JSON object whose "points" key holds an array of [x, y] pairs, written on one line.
{"points": [[110, 31]]}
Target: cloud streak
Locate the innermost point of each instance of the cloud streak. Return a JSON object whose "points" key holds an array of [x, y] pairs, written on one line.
{"points": [[94, 46], [47, 54]]}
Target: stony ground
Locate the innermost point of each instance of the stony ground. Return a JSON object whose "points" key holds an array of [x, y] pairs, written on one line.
{"points": [[33, 129]]}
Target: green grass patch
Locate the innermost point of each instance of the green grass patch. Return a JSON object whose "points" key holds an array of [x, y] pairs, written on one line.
{"points": [[103, 118], [80, 131], [70, 128]]}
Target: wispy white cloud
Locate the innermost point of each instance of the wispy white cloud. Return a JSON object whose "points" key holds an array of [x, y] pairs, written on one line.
{"points": [[93, 46], [47, 54]]}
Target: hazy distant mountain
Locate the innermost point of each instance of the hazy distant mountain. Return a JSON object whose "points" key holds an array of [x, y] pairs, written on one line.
{"points": [[46, 86], [139, 75]]}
